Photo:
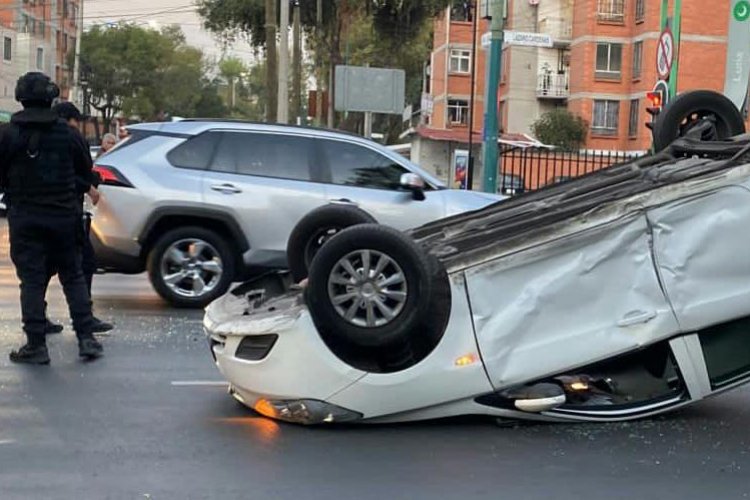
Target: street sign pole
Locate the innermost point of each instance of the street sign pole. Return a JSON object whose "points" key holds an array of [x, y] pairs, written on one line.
{"points": [[490, 153], [676, 28]]}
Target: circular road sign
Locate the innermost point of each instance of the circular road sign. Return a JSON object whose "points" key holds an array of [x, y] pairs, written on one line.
{"points": [[662, 87], [741, 10], [665, 54]]}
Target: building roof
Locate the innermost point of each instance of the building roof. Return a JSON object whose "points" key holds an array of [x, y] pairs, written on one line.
{"points": [[462, 136]]}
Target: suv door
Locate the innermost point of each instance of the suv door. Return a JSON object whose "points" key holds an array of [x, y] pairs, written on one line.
{"points": [[264, 181], [364, 177]]}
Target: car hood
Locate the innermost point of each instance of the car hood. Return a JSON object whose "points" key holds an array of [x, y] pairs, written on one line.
{"points": [[461, 201]]}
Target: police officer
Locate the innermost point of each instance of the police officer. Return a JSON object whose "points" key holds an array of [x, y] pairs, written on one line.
{"points": [[39, 163], [70, 113]]}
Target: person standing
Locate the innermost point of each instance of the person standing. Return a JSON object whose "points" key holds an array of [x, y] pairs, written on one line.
{"points": [[39, 162], [72, 116]]}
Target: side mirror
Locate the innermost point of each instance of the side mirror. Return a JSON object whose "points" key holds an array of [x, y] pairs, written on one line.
{"points": [[415, 184]]}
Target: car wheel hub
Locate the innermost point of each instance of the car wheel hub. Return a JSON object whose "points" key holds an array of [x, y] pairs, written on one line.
{"points": [[191, 268], [367, 288]]}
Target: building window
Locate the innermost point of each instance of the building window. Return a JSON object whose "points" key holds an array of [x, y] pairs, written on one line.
{"points": [[65, 43], [637, 59], [41, 28], [640, 11], [606, 117], [608, 60], [611, 11], [461, 11], [40, 58], [634, 118], [458, 112], [7, 48], [460, 61]]}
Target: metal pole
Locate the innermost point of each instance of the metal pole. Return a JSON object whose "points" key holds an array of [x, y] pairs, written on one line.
{"points": [[283, 104], [470, 168], [297, 63], [271, 62], [76, 97], [676, 28], [491, 155]]}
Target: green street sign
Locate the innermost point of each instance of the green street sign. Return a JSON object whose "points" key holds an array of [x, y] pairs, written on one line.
{"points": [[742, 10]]}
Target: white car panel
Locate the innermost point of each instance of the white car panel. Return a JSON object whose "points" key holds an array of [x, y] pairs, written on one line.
{"points": [[437, 378], [701, 245], [588, 297]]}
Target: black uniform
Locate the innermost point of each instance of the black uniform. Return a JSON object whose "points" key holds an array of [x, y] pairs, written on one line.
{"points": [[40, 163]]}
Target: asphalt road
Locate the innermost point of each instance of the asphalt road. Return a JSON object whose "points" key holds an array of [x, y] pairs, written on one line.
{"points": [[150, 421]]}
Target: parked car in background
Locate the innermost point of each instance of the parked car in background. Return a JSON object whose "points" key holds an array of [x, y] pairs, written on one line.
{"points": [[200, 203]]}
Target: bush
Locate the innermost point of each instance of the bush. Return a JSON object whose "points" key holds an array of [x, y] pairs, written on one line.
{"points": [[561, 128]]}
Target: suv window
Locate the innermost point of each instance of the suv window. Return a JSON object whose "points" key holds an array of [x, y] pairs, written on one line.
{"points": [[194, 153], [266, 155], [354, 165]]}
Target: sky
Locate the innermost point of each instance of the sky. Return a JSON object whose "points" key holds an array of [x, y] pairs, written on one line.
{"points": [[163, 12]]}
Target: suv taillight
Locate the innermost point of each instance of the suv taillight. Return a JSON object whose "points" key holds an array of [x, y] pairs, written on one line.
{"points": [[111, 177]]}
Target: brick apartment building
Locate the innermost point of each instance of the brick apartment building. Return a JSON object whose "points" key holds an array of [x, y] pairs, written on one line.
{"points": [[601, 66], [37, 35]]}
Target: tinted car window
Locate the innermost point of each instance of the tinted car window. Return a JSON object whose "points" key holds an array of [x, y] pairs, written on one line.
{"points": [[267, 155], [354, 165], [195, 152]]}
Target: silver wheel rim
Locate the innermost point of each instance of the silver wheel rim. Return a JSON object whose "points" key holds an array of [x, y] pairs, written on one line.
{"points": [[191, 268], [367, 288]]}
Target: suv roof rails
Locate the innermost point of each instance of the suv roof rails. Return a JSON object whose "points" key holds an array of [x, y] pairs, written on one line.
{"points": [[253, 122]]}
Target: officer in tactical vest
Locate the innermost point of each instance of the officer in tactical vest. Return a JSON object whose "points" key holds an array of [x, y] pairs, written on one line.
{"points": [[40, 164]]}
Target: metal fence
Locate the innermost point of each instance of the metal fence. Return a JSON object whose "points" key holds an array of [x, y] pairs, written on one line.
{"points": [[533, 168]]}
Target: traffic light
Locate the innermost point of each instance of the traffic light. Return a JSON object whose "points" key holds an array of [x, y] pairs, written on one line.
{"points": [[655, 101]]}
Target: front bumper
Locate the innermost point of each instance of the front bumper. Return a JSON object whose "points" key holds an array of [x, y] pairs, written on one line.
{"points": [[298, 369]]}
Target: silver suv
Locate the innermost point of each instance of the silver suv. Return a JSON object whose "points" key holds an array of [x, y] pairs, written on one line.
{"points": [[200, 204]]}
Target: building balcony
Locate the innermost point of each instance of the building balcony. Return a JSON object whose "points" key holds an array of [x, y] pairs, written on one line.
{"points": [[553, 86], [559, 28]]}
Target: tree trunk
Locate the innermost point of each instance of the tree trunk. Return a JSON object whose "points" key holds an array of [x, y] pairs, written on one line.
{"points": [[297, 66], [271, 62], [335, 58]]}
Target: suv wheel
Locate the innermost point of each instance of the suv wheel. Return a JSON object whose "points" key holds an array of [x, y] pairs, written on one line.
{"points": [[191, 266]]}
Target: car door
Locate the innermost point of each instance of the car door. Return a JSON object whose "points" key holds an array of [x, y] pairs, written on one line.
{"points": [[571, 300], [362, 176], [264, 181]]}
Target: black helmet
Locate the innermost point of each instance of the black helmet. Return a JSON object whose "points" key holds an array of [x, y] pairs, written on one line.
{"points": [[36, 88], [67, 111]]}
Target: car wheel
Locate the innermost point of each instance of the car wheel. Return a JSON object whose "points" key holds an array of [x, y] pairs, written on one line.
{"points": [[191, 266], [315, 229], [377, 298], [717, 117]]}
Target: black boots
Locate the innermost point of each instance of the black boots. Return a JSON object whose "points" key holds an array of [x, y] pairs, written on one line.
{"points": [[90, 349], [31, 355]]}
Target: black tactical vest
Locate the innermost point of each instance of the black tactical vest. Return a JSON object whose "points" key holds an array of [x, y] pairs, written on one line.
{"points": [[41, 173]]}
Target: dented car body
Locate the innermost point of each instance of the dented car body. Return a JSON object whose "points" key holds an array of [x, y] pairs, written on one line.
{"points": [[626, 291]]}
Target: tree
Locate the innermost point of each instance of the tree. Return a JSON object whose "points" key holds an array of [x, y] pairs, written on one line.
{"points": [[399, 22], [561, 128], [232, 70], [141, 72], [209, 103]]}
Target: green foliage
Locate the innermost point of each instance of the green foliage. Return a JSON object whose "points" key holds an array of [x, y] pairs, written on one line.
{"points": [[561, 128], [144, 72]]}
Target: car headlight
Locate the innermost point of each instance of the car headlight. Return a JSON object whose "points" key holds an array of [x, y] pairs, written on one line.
{"points": [[305, 411]]}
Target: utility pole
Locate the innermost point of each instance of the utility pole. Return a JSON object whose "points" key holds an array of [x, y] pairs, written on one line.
{"points": [[283, 115], [271, 66], [490, 153], [470, 172], [319, 66], [674, 23], [76, 90], [297, 64]]}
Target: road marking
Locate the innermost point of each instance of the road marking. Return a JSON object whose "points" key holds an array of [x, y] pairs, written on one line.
{"points": [[7, 441], [199, 383]]}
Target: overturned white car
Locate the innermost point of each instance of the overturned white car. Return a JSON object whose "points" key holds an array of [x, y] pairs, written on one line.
{"points": [[619, 295]]}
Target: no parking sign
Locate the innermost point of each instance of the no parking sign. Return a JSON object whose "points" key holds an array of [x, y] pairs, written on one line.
{"points": [[665, 54]]}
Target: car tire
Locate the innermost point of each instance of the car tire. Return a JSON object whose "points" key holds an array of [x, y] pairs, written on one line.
{"points": [[314, 229], [411, 286], [687, 110], [191, 266]]}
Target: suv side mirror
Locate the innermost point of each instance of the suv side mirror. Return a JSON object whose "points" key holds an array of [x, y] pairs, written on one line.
{"points": [[413, 183]]}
